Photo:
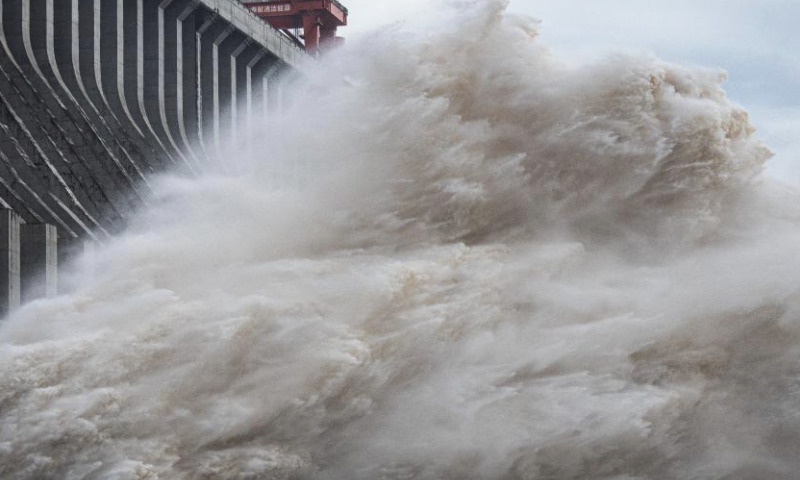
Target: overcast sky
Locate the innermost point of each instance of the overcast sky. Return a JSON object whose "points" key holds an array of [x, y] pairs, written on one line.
{"points": [[756, 41]]}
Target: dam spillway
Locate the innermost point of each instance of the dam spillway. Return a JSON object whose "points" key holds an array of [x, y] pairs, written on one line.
{"points": [[98, 95]]}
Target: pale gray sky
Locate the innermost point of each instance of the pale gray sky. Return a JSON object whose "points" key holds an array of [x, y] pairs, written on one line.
{"points": [[756, 41]]}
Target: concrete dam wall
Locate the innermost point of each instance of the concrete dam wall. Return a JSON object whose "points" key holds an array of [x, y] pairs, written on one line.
{"points": [[97, 95]]}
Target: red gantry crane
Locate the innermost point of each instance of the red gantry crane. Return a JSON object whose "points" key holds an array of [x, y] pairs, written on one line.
{"points": [[318, 19]]}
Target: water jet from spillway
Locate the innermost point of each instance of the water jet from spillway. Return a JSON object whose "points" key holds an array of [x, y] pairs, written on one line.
{"points": [[499, 267]]}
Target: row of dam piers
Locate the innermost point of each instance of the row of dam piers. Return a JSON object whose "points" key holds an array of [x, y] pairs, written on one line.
{"points": [[96, 96]]}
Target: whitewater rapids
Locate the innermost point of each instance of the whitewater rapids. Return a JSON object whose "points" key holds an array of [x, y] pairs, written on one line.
{"points": [[493, 266]]}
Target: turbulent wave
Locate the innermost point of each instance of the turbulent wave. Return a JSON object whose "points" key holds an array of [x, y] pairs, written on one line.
{"points": [[490, 265]]}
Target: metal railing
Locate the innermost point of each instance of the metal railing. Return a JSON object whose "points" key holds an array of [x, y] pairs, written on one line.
{"points": [[335, 2]]}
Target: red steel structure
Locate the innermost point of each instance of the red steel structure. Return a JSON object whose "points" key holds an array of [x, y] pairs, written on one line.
{"points": [[318, 19]]}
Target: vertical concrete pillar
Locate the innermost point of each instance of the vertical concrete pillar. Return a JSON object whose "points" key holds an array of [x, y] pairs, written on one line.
{"points": [[60, 47], [3, 41], [34, 17], [255, 75], [206, 34], [169, 81], [224, 46], [187, 74], [168, 66], [12, 30], [84, 58], [258, 71], [150, 73], [104, 42], [128, 73], [39, 261], [78, 49], [240, 84], [112, 50], [9, 261]]}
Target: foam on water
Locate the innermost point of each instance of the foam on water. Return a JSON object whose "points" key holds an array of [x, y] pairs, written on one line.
{"points": [[497, 267]]}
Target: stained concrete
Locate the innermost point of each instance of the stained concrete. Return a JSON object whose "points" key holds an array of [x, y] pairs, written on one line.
{"points": [[9, 261]]}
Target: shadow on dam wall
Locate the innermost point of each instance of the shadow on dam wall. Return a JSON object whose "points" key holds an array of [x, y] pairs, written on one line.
{"points": [[96, 96]]}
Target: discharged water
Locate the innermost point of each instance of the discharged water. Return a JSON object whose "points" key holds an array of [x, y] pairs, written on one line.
{"points": [[496, 267]]}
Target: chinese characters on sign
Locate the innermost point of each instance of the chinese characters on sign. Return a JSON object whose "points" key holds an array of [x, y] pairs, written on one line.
{"points": [[282, 7]]}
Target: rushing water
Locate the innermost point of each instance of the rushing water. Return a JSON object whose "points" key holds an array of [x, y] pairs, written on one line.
{"points": [[496, 267]]}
